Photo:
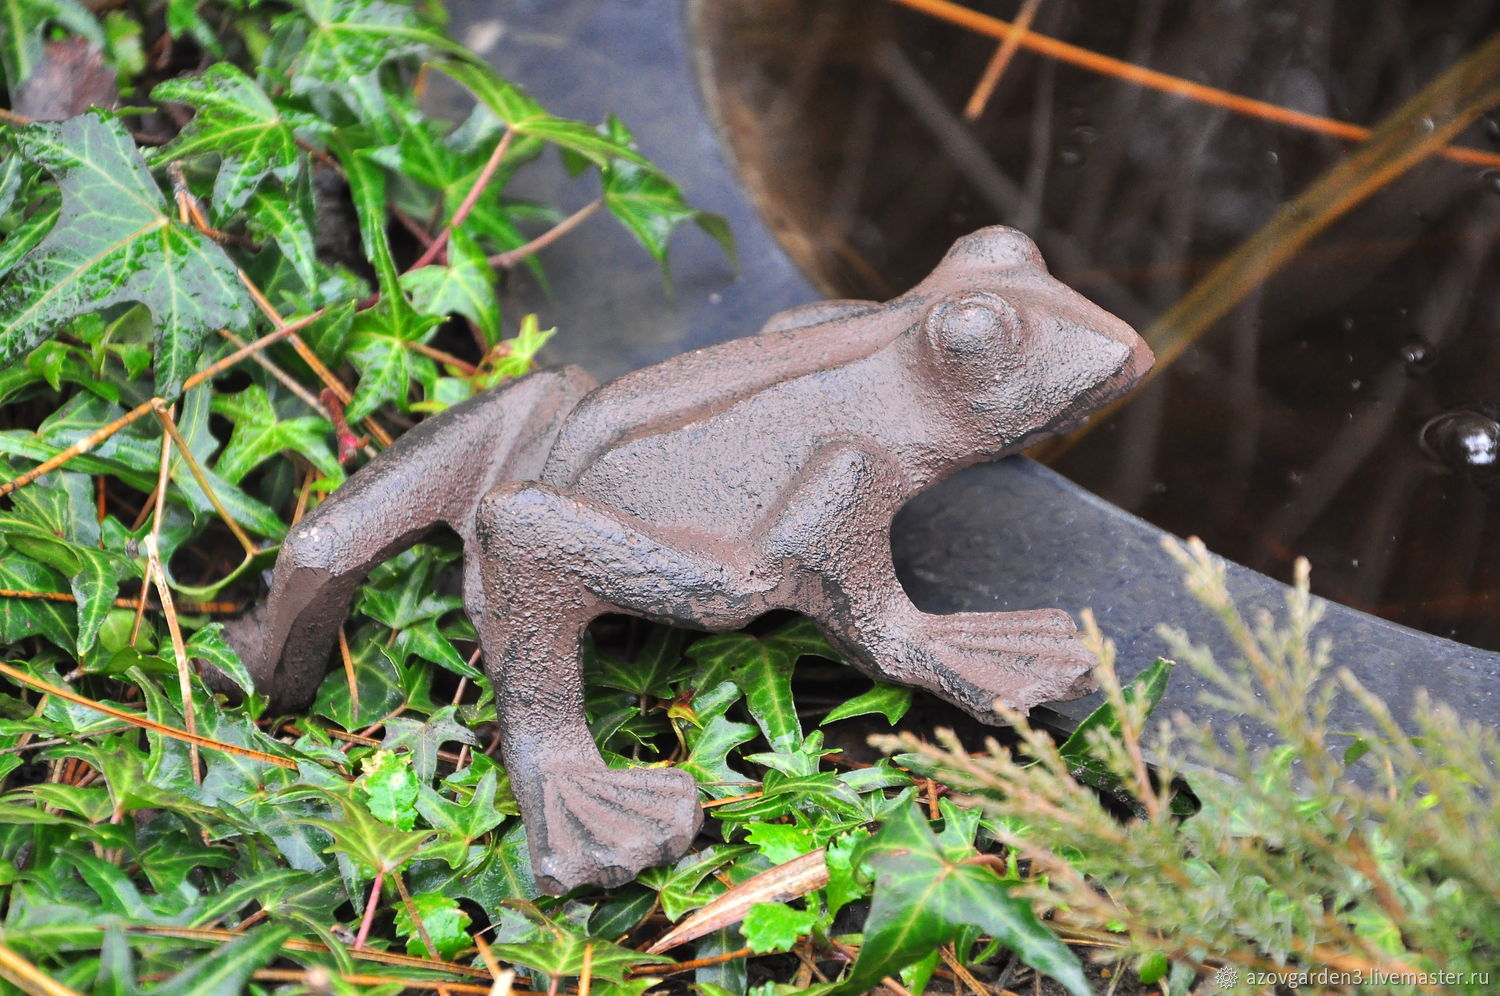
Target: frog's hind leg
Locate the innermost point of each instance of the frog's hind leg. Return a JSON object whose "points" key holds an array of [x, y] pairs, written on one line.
{"points": [[550, 562], [432, 476]]}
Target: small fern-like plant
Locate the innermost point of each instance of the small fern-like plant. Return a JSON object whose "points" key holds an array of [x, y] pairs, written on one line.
{"points": [[1338, 859]]}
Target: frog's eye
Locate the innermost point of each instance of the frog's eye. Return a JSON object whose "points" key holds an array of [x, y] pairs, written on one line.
{"points": [[974, 326]]}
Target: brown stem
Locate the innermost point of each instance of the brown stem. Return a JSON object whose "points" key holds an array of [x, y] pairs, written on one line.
{"points": [[467, 205], [513, 256]]}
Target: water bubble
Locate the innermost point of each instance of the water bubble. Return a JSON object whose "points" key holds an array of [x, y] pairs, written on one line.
{"points": [[1490, 178], [1272, 158], [1355, 384], [1463, 440], [1427, 124], [1347, 323], [1418, 355], [1491, 128], [1070, 156]]}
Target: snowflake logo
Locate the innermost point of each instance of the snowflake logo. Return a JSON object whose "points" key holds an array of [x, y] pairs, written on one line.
{"points": [[1227, 977]]}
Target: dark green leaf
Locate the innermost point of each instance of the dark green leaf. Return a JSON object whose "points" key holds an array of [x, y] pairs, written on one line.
{"points": [[1148, 686], [237, 122], [763, 672], [890, 701], [924, 898], [113, 242], [648, 204], [260, 435], [226, 970]]}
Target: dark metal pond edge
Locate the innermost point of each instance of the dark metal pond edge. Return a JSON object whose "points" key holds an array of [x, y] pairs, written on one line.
{"points": [[1011, 535]]}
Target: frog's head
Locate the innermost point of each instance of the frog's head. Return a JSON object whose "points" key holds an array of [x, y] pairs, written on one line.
{"points": [[1015, 354]]}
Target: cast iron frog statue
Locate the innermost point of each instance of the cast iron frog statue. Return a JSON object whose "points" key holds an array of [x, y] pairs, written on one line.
{"points": [[754, 475]]}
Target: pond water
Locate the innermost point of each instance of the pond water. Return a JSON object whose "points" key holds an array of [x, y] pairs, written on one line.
{"points": [[1347, 410]]}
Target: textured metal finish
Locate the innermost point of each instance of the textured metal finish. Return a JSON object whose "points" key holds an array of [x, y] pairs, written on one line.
{"points": [[756, 475]]}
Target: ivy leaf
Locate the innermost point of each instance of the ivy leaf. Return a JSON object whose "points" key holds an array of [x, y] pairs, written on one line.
{"points": [[526, 116], [689, 883], [113, 243], [94, 575], [287, 219], [372, 843], [461, 825], [1148, 686], [775, 926], [443, 920], [225, 971], [259, 435], [650, 205], [236, 121], [339, 46], [425, 739], [518, 355], [25, 23], [379, 351], [890, 701], [925, 898], [708, 757], [560, 953], [389, 788], [466, 286], [763, 672]]}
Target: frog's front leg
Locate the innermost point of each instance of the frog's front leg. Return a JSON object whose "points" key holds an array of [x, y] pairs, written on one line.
{"points": [[549, 562], [836, 528]]}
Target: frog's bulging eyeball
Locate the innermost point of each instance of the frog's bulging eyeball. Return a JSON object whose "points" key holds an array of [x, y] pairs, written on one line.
{"points": [[756, 475]]}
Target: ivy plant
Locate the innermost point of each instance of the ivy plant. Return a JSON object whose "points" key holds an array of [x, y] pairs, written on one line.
{"points": [[243, 260]]}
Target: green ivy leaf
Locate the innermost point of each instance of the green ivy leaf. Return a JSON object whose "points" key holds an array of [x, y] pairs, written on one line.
{"points": [[389, 788], [237, 122], [925, 898], [424, 739], [1148, 686], [370, 841], [763, 672], [226, 970], [386, 364], [260, 435], [526, 116], [113, 243], [23, 617], [689, 884], [94, 575], [775, 926], [286, 217], [649, 205], [338, 47], [466, 286], [560, 954], [444, 921], [890, 701]]}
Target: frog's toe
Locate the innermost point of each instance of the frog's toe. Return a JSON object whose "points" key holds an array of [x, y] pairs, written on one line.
{"points": [[1022, 660], [601, 826]]}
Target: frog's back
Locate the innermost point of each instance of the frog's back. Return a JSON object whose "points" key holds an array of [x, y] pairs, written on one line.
{"points": [[696, 387]]}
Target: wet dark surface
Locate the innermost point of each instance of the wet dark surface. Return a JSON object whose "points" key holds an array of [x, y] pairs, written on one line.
{"points": [[1345, 412]]}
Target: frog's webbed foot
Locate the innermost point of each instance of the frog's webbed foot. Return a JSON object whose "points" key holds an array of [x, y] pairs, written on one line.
{"points": [[588, 823], [974, 658]]}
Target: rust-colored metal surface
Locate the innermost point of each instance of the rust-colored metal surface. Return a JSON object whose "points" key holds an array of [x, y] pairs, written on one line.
{"points": [[759, 474]]}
